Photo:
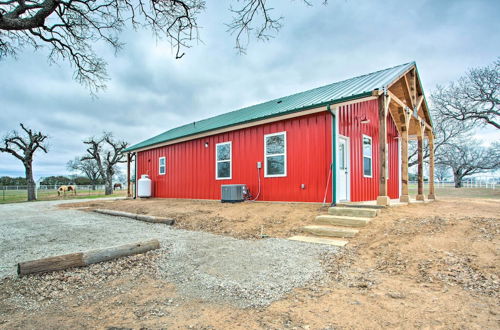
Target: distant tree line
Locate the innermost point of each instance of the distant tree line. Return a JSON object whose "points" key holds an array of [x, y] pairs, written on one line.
{"points": [[11, 181], [67, 180], [51, 180]]}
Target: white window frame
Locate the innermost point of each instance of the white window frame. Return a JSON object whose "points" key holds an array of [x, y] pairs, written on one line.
{"points": [[363, 155], [164, 165], [230, 160], [282, 154]]}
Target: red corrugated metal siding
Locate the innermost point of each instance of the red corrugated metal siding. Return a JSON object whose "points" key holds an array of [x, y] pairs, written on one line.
{"points": [[191, 166], [393, 162], [363, 188]]}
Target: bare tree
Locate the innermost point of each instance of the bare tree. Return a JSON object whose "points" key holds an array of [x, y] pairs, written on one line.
{"points": [[441, 172], [107, 153], [71, 28], [446, 131], [473, 98], [88, 167], [468, 157], [23, 148]]}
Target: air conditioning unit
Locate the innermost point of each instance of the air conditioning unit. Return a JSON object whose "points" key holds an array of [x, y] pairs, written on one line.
{"points": [[233, 193]]}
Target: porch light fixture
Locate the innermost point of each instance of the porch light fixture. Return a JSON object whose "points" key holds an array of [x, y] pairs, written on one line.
{"points": [[206, 144], [365, 120]]}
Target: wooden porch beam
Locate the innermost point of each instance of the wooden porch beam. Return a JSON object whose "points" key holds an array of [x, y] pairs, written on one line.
{"points": [[420, 99], [420, 151], [397, 100], [406, 90], [384, 101], [405, 197], [413, 85]]}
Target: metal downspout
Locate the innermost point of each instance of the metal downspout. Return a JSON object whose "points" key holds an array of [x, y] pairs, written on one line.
{"points": [[334, 156], [136, 178]]}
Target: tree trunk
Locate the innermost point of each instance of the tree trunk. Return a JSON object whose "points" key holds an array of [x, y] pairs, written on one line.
{"points": [[30, 182], [109, 185], [458, 180]]}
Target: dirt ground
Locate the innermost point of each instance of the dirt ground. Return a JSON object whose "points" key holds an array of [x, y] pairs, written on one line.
{"points": [[240, 220], [431, 265]]}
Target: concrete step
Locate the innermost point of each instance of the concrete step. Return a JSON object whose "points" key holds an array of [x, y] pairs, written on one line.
{"points": [[330, 231], [353, 212], [338, 220], [319, 240]]}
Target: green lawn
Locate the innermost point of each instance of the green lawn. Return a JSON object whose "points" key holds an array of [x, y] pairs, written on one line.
{"points": [[14, 196], [449, 191]]}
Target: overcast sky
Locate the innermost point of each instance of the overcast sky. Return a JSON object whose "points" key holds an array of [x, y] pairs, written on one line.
{"points": [[151, 92]]}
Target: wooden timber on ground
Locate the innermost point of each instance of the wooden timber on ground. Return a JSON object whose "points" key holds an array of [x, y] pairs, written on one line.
{"points": [[81, 259], [140, 217]]}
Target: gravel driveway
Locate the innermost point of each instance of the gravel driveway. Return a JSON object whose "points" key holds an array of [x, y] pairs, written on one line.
{"points": [[202, 265]]}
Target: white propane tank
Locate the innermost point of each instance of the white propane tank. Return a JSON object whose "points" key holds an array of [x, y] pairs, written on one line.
{"points": [[144, 186]]}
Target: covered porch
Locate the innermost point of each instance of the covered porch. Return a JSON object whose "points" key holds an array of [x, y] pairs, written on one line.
{"points": [[404, 101]]}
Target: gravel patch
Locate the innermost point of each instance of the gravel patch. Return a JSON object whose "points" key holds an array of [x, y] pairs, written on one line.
{"points": [[211, 267], [245, 273]]}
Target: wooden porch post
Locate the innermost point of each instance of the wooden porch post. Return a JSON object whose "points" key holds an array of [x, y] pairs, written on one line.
{"points": [[383, 109], [405, 197], [420, 149], [129, 191], [431, 166]]}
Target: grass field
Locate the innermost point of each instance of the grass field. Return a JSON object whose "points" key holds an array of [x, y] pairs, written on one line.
{"points": [[15, 196]]}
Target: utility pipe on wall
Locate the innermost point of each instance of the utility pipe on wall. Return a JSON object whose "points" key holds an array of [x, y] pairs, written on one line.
{"points": [[333, 167]]}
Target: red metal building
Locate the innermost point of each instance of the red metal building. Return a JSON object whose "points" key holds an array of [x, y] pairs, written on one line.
{"points": [[320, 145]]}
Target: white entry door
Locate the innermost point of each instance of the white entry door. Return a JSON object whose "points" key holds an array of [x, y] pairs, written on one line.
{"points": [[343, 169]]}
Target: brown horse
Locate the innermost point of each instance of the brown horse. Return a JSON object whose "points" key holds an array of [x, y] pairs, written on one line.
{"points": [[64, 189], [117, 185]]}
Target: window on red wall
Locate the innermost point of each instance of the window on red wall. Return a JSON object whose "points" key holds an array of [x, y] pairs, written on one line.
{"points": [[275, 154], [367, 157], [223, 155], [162, 165]]}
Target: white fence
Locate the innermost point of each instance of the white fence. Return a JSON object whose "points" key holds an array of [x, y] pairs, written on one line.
{"points": [[465, 184]]}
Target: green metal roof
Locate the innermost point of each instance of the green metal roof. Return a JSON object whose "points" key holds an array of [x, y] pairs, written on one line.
{"points": [[349, 89]]}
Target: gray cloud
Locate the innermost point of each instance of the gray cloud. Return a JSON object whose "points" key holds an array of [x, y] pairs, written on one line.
{"points": [[150, 91]]}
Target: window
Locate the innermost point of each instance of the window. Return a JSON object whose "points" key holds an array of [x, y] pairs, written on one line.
{"points": [[342, 160], [162, 165], [223, 153], [367, 156], [275, 154]]}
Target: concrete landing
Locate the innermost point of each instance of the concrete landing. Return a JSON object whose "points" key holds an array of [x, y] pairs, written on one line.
{"points": [[319, 240], [373, 204]]}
